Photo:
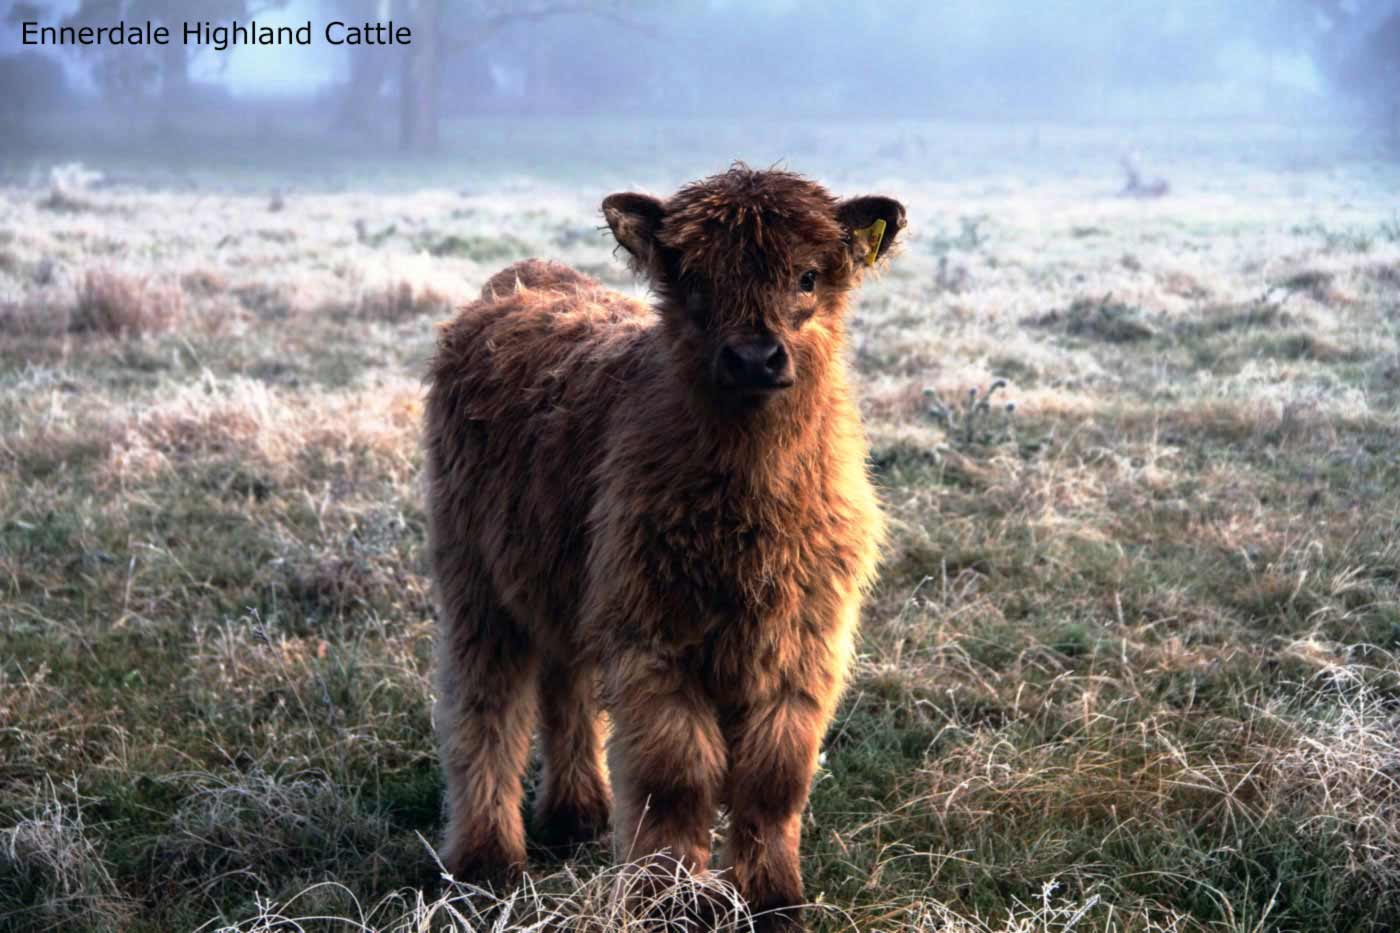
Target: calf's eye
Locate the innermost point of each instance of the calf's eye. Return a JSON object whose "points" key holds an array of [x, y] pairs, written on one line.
{"points": [[808, 282]]}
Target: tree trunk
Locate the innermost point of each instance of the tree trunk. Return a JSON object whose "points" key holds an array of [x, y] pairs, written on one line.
{"points": [[418, 115], [369, 69]]}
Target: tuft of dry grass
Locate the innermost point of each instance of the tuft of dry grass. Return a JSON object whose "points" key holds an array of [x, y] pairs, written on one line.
{"points": [[619, 899], [611, 901], [399, 301], [118, 305], [105, 303], [247, 831], [52, 866]]}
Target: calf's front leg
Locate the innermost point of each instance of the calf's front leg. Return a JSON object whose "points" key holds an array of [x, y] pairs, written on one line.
{"points": [[667, 762], [773, 754]]}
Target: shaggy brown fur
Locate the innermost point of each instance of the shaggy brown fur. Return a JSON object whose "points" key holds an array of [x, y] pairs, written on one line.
{"points": [[669, 502]]}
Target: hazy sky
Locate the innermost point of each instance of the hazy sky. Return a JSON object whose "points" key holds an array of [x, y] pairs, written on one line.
{"points": [[1132, 59], [244, 70], [277, 71]]}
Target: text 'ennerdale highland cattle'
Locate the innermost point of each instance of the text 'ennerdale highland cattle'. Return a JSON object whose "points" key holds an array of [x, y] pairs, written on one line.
{"points": [[217, 36]]}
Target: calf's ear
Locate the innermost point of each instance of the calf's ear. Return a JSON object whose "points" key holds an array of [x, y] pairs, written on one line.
{"points": [[872, 225], [635, 220]]}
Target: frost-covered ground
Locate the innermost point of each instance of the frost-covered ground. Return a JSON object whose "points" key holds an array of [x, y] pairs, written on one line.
{"points": [[1132, 661]]}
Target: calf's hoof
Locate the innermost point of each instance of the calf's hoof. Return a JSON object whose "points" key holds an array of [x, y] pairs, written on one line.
{"points": [[564, 826], [488, 866], [779, 920]]}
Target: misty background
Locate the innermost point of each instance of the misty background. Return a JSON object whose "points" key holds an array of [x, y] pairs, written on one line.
{"points": [[478, 64]]}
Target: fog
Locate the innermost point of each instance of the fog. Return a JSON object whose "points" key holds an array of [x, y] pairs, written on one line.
{"points": [[1060, 63]]}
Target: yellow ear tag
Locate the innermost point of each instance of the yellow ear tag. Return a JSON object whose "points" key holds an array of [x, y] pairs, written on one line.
{"points": [[873, 236]]}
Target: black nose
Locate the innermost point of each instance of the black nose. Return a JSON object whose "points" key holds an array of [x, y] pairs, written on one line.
{"points": [[755, 364]]}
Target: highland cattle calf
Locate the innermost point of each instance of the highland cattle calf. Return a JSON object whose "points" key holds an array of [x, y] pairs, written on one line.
{"points": [[658, 512]]}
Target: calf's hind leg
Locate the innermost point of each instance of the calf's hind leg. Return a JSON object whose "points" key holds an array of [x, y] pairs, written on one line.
{"points": [[574, 800], [485, 715]]}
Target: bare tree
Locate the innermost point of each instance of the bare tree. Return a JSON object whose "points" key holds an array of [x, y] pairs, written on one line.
{"points": [[370, 66], [442, 31], [1358, 47], [421, 78]]}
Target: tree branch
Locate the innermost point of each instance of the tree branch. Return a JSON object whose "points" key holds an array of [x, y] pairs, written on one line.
{"points": [[494, 24]]}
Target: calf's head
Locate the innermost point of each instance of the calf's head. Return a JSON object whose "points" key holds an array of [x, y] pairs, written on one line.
{"points": [[752, 270]]}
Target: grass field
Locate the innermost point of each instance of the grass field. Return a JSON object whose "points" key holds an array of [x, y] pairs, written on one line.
{"points": [[1131, 664]]}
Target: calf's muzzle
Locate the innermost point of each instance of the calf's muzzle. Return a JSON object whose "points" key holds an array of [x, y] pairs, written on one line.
{"points": [[756, 365]]}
